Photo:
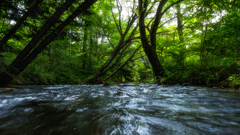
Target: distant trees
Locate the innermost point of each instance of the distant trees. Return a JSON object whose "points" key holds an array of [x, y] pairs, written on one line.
{"points": [[126, 36]]}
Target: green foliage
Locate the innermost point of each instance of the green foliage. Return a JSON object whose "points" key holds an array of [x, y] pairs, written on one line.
{"points": [[234, 80], [208, 55]]}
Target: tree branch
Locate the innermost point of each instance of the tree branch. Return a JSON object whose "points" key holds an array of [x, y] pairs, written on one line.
{"points": [[165, 10], [122, 64]]}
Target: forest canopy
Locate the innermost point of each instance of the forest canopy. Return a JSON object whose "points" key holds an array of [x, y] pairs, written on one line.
{"points": [[99, 41]]}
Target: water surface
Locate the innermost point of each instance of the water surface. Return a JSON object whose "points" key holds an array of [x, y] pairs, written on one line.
{"points": [[138, 110]]}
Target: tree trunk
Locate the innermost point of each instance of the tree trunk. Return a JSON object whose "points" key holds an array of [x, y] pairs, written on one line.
{"points": [[150, 49], [181, 58], [50, 56], [5, 77], [91, 47], [19, 23], [122, 64], [45, 28], [114, 53], [154, 61], [84, 61], [179, 24], [122, 42]]}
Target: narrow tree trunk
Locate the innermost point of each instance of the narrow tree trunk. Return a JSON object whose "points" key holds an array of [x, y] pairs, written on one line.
{"points": [[114, 53], [122, 42], [96, 46], [179, 24], [181, 58], [203, 39], [91, 44], [50, 56], [84, 61], [116, 61], [122, 64]]}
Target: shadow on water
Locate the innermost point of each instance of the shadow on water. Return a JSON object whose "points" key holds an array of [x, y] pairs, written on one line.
{"points": [[139, 110]]}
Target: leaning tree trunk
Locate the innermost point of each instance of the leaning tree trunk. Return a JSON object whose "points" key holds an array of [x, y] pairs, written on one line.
{"points": [[114, 53], [122, 65], [19, 23], [39, 35], [124, 40], [5, 77]]}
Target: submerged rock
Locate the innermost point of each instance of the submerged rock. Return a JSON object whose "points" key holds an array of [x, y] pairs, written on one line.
{"points": [[129, 84], [113, 84], [186, 84], [5, 90]]}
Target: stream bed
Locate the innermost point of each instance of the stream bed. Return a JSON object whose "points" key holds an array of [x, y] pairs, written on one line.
{"points": [[147, 109]]}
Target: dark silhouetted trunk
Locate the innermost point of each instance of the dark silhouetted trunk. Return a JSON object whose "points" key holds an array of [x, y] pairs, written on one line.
{"points": [[150, 47], [38, 36], [5, 77], [19, 23]]}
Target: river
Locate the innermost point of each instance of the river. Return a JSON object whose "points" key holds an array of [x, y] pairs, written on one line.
{"points": [[147, 109]]}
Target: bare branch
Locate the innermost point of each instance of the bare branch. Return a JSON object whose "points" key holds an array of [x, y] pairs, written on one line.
{"points": [[107, 37], [166, 21], [116, 23], [120, 15], [165, 10]]}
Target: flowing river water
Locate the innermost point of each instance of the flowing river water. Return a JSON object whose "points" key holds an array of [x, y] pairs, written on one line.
{"points": [[127, 110]]}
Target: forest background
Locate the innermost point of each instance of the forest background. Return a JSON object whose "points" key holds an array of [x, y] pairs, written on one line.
{"points": [[99, 41]]}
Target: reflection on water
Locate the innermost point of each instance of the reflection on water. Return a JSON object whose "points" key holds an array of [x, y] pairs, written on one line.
{"points": [[138, 110]]}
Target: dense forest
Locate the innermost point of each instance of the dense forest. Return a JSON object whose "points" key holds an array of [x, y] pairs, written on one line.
{"points": [[99, 41]]}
